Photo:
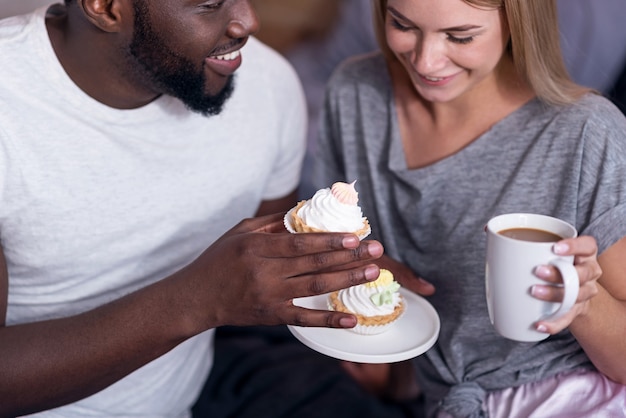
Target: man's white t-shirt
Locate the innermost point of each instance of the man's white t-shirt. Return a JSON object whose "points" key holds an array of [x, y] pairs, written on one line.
{"points": [[97, 202]]}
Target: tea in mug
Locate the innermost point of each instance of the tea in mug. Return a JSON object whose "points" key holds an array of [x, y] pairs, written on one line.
{"points": [[530, 234]]}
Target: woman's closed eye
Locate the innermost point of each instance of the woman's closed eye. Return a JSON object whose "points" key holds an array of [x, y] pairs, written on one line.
{"points": [[460, 40], [397, 25]]}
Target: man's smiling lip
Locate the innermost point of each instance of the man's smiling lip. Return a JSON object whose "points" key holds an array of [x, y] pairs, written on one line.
{"points": [[225, 63]]}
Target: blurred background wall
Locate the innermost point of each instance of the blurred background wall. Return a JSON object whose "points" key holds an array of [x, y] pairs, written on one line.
{"points": [[14, 7]]}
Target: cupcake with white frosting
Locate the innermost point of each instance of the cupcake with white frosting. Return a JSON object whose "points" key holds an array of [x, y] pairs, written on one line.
{"points": [[333, 209], [376, 305]]}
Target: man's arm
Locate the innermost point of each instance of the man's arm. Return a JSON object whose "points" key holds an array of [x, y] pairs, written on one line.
{"points": [[70, 346], [268, 207], [52, 363], [4, 288]]}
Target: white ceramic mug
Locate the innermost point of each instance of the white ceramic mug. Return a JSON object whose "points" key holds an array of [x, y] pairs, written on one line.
{"points": [[509, 275]]}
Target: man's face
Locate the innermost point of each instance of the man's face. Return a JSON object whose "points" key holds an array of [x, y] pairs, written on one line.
{"points": [[190, 51]]}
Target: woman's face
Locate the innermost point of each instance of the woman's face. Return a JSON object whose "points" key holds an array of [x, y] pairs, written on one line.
{"points": [[447, 46]]}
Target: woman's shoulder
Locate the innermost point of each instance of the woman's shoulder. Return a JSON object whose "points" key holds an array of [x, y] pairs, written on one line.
{"points": [[369, 68], [595, 107], [594, 117], [591, 113], [360, 79]]}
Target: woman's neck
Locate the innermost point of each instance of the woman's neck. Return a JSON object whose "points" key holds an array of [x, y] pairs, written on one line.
{"points": [[433, 131]]}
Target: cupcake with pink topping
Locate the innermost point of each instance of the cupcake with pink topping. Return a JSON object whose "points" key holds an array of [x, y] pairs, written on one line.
{"points": [[333, 209]]}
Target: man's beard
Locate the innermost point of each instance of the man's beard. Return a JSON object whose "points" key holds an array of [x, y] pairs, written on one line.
{"points": [[170, 73]]}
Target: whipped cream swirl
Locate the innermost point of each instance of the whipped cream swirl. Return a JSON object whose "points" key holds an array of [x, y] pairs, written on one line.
{"points": [[366, 299], [324, 211]]}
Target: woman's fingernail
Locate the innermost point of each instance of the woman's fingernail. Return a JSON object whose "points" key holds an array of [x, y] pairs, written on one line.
{"points": [[560, 248], [542, 328], [538, 290], [542, 272]]}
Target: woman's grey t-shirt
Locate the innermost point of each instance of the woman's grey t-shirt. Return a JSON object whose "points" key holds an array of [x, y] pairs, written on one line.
{"points": [[568, 162]]}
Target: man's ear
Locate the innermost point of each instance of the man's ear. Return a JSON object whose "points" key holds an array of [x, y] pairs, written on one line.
{"points": [[106, 15]]}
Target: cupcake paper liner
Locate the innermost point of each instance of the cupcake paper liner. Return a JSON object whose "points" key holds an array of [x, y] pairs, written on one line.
{"points": [[370, 329], [287, 221]]}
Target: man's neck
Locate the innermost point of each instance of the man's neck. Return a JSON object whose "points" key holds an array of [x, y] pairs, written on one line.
{"points": [[93, 60]]}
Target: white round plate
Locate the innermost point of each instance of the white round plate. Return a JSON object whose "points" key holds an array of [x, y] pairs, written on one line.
{"points": [[413, 334]]}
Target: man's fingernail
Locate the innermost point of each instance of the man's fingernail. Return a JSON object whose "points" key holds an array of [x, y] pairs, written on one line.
{"points": [[372, 272], [350, 241], [347, 322], [375, 249]]}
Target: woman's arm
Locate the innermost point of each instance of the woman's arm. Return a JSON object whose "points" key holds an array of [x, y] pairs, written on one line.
{"points": [[598, 320], [601, 327]]}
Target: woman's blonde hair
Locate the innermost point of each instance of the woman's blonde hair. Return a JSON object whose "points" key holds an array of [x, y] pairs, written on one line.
{"points": [[534, 45]]}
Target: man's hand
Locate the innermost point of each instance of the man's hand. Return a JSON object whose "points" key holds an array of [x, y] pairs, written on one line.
{"points": [[251, 275]]}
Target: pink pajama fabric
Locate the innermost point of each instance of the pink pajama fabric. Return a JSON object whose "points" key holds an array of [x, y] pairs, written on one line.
{"points": [[583, 394]]}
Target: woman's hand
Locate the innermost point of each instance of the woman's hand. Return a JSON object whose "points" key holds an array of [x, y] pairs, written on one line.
{"points": [[395, 381], [391, 381], [405, 276], [585, 252]]}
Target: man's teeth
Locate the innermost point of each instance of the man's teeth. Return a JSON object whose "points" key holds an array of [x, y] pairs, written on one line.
{"points": [[228, 57]]}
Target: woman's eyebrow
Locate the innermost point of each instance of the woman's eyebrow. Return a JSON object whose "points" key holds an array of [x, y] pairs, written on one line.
{"points": [[461, 28], [397, 14]]}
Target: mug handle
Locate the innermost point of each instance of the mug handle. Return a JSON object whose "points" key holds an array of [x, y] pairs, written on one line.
{"points": [[571, 285]]}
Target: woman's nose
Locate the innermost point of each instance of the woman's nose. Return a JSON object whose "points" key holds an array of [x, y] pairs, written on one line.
{"points": [[430, 56]]}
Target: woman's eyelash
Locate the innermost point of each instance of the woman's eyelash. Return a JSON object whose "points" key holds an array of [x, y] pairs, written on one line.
{"points": [[398, 25], [462, 41]]}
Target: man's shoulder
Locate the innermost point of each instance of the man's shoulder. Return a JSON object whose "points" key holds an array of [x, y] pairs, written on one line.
{"points": [[19, 37], [20, 51], [259, 57], [264, 69], [15, 28]]}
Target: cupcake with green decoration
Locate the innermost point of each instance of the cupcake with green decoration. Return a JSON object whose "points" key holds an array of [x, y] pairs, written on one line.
{"points": [[377, 305]]}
